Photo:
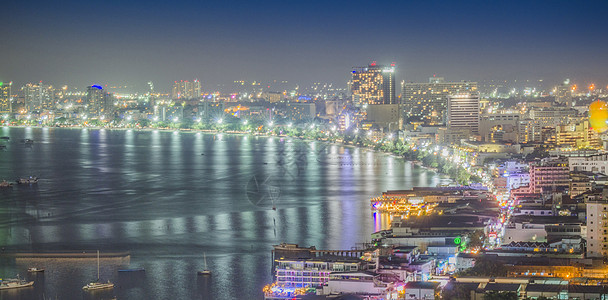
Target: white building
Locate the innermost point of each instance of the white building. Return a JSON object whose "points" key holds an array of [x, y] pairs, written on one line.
{"points": [[354, 283], [594, 163], [314, 272], [525, 232], [597, 228], [463, 112]]}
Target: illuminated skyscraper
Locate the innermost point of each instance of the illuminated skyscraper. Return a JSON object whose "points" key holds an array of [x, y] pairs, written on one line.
{"points": [[563, 93], [99, 102], [463, 112], [38, 97], [186, 89], [428, 101], [5, 97], [374, 84]]}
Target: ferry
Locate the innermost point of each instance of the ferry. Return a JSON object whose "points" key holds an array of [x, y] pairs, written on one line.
{"points": [[30, 180], [14, 283]]}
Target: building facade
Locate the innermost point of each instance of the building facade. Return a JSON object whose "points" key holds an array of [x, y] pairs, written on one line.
{"points": [[5, 98], [38, 97], [463, 112], [374, 84], [99, 102], [597, 228], [185, 89], [428, 101], [593, 163], [549, 175]]}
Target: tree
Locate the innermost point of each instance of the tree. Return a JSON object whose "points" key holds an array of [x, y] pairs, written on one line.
{"points": [[455, 291], [485, 266], [144, 122], [493, 295], [476, 238]]}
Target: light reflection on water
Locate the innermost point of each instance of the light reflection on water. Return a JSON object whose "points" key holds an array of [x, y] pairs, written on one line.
{"points": [[168, 198]]}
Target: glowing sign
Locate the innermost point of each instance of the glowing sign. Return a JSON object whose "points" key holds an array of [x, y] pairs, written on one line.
{"points": [[598, 115], [1, 83], [457, 241], [97, 86]]}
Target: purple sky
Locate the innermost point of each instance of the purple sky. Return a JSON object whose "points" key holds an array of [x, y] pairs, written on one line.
{"points": [[109, 42]]}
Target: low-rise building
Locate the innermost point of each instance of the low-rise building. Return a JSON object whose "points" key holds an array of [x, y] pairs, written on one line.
{"points": [[361, 283], [421, 290]]}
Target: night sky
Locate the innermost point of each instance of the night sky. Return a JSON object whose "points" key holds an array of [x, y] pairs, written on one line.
{"points": [[110, 42]]}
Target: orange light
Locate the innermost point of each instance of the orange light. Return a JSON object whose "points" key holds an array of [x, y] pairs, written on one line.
{"points": [[592, 87], [598, 115]]}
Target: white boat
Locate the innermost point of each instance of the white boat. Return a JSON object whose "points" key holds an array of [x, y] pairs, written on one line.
{"points": [[98, 285], [14, 283], [33, 270], [5, 183], [30, 180], [205, 271]]}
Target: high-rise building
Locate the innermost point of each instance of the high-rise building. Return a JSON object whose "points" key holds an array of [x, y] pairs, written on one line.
{"points": [[428, 101], [186, 89], [38, 97], [374, 84], [597, 228], [5, 97], [99, 102], [463, 112], [563, 93]]}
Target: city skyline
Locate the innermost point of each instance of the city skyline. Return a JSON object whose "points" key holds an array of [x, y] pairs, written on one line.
{"points": [[72, 43]]}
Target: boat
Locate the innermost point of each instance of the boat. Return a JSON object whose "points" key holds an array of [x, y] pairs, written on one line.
{"points": [[205, 271], [5, 183], [133, 270], [4, 138], [27, 141], [30, 180], [98, 285], [34, 270], [14, 283]]}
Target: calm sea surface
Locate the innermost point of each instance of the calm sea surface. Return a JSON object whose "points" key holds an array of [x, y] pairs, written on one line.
{"points": [[169, 197]]}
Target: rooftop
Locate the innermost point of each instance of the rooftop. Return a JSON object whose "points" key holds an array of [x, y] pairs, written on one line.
{"points": [[421, 285]]}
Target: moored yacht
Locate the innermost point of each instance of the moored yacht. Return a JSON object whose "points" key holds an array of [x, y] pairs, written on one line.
{"points": [[5, 183], [98, 285], [30, 180], [34, 270], [14, 283]]}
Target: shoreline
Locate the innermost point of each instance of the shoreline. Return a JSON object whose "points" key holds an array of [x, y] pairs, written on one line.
{"points": [[65, 254], [243, 133]]}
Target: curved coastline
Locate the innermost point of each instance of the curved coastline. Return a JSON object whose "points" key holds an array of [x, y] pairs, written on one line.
{"points": [[241, 133]]}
